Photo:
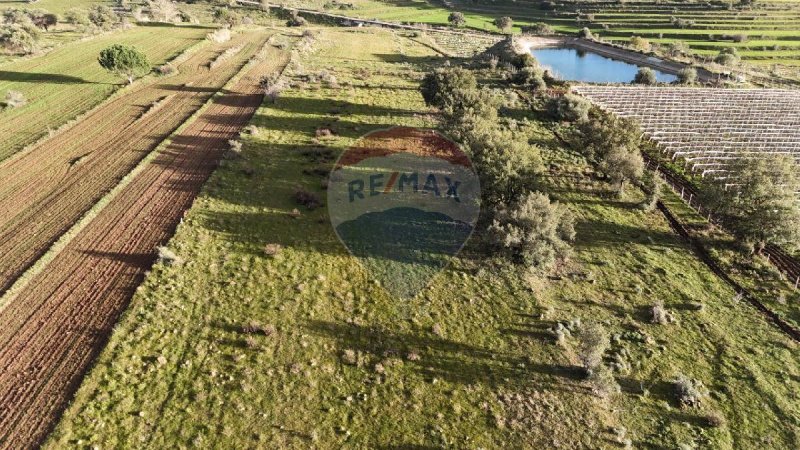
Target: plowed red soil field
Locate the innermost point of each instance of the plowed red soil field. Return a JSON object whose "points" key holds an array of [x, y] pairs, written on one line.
{"points": [[45, 190], [59, 322]]}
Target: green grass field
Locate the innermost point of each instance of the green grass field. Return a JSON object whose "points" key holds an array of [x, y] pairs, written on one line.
{"points": [[469, 363], [68, 81]]}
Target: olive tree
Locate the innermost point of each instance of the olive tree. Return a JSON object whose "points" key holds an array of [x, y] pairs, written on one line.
{"points": [[533, 230], [756, 200], [124, 60], [569, 107]]}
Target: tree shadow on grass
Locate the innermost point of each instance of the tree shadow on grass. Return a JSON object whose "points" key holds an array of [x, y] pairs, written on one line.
{"points": [[605, 234], [452, 361], [35, 77]]}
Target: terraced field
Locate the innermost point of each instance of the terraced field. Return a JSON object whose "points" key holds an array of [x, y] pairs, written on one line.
{"points": [[46, 189], [772, 29], [68, 81]]}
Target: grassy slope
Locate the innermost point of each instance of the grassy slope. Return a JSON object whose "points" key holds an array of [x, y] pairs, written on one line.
{"points": [[491, 377], [68, 81]]}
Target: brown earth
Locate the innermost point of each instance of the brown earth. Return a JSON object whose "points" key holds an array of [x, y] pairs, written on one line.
{"points": [[45, 190], [61, 319]]}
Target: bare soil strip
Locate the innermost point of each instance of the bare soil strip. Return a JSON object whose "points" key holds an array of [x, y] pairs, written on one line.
{"points": [[59, 322], [44, 191]]}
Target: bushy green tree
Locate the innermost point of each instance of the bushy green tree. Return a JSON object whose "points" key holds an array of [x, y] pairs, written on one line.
{"points": [[533, 230], [457, 19], [448, 87], [124, 60], [585, 33], [646, 76], [757, 201], [505, 161], [613, 144], [569, 107], [19, 38], [504, 23], [529, 76]]}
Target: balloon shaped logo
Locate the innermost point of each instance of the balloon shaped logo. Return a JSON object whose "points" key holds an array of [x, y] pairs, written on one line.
{"points": [[404, 201]]}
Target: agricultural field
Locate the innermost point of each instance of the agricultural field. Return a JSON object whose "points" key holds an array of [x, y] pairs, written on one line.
{"points": [[67, 82], [89, 158], [268, 334], [108, 252]]}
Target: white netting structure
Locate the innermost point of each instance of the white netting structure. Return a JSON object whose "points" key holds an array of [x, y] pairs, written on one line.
{"points": [[708, 128]]}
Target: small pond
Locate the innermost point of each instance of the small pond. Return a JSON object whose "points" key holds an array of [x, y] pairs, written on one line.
{"points": [[572, 64]]}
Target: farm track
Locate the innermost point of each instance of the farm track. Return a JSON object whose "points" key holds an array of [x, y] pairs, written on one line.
{"points": [[59, 322], [45, 190]]}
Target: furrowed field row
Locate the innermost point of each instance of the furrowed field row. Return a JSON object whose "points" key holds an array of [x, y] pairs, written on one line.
{"points": [[84, 162], [67, 82]]}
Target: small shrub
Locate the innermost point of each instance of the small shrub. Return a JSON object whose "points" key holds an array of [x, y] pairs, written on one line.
{"points": [[585, 33], [323, 133], [739, 38], [168, 257], [166, 69], [715, 419], [640, 43], [350, 357], [296, 20], [603, 382], [219, 35], [690, 392], [251, 342], [226, 16], [687, 75], [14, 99], [652, 186], [306, 198], [660, 315], [272, 249], [538, 28], [646, 76], [593, 342]]}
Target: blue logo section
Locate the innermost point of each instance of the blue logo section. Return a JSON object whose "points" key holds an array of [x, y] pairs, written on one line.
{"points": [[404, 201]]}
